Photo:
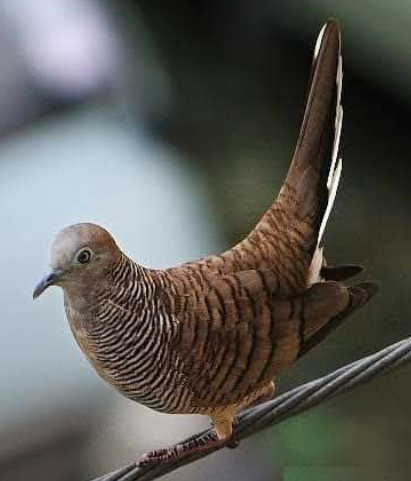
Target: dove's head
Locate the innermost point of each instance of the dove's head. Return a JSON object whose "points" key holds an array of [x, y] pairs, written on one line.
{"points": [[81, 256]]}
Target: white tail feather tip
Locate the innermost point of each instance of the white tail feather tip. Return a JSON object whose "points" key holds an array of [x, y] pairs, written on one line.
{"points": [[318, 42]]}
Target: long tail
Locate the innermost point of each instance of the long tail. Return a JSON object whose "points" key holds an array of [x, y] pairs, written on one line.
{"points": [[304, 204], [287, 238], [312, 180]]}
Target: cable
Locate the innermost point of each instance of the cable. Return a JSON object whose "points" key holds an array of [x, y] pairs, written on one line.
{"points": [[283, 407]]}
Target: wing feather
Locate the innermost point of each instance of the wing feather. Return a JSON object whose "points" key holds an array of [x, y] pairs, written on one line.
{"points": [[236, 335]]}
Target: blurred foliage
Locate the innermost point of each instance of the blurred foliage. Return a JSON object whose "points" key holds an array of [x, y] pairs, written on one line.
{"points": [[297, 442], [222, 84]]}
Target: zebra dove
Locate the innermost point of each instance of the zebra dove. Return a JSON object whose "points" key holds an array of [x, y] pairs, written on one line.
{"points": [[211, 336]]}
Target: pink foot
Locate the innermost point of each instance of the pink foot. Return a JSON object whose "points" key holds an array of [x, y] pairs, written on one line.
{"points": [[181, 450]]}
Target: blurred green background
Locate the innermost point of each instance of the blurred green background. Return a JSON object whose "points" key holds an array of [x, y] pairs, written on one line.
{"points": [[173, 124]]}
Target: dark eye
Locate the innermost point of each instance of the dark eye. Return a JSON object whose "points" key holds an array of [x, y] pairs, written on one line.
{"points": [[84, 256]]}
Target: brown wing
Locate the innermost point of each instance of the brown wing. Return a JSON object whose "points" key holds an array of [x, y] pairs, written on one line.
{"points": [[235, 336]]}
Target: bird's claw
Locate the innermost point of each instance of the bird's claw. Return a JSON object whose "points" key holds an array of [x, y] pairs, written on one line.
{"points": [[179, 451], [233, 443], [159, 456]]}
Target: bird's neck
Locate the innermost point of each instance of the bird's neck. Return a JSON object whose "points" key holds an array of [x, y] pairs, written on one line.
{"points": [[102, 312], [127, 287]]}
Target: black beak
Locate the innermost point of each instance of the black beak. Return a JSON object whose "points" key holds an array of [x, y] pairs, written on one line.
{"points": [[47, 281]]}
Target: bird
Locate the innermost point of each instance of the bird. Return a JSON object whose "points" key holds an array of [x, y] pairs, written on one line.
{"points": [[211, 336]]}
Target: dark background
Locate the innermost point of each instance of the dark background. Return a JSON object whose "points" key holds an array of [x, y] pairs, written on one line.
{"points": [[216, 90]]}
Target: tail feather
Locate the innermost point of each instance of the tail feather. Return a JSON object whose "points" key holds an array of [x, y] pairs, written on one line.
{"points": [[359, 295], [312, 180], [287, 238], [340, 273]]}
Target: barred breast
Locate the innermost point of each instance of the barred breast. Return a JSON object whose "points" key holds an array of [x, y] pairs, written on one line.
{"points": [[127, 336]]}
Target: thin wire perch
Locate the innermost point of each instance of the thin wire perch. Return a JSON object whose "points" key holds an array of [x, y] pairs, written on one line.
{"points": [[283, 407]]}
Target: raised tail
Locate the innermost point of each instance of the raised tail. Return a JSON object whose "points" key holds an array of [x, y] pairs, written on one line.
{"points": [[312, 180], [287, 238], [290, 232]]}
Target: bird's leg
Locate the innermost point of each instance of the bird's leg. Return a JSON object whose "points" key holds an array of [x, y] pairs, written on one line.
{"points": [[256, 398], [265, 395], [232, 442], [222, 420], [223, 425]]}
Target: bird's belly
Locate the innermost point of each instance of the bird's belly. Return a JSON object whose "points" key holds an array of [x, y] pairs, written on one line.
{"points": [[153, 379], [150, 377], [161, 391]]}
